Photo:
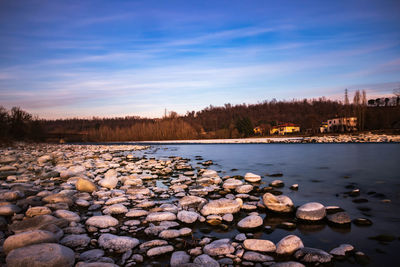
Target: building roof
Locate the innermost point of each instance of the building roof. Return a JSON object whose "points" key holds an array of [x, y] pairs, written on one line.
{"points": [[286, 125]]}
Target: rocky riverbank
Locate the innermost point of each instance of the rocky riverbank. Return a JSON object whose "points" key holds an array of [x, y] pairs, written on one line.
{"points": [[71, 205], [343, 138]]}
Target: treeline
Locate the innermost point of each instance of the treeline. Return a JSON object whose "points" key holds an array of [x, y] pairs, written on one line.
{"points": [[228, 121], [19, 125]]}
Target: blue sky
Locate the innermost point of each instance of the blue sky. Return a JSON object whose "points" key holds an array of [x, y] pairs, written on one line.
{"points": [[63, 59]]}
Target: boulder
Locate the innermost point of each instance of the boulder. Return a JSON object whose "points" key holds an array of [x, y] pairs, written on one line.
{"points": [[104, 221], [85, 185], [160, 216], [260, 245], [250, 222], [43, 255], [179, 258], [187, 216], [205, 260], [257, 257], [312, 255], [312, 211], [219, 247], [28, 238], [119, 244], [252, 178]]}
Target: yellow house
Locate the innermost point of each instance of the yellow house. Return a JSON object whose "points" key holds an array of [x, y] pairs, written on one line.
{"points": [[285, 129], [258, 130]]}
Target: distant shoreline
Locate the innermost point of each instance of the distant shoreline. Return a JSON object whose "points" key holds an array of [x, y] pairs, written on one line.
{"points": [[345, 138]]}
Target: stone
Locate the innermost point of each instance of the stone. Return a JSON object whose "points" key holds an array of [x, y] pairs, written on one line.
{"points": [[91, 255], [74, 241], [159, 250], [362, 222], [340, 218], [9, 210], [312, 255], [179, 258], [136, 213], [260, 245], [277, 183], [169, 233], [279, 203], [119, 244], [39, 210], [250, 222], [288, 264], [153, 243], [110, 182], [220, 206], [288, 245], [255, 256], [160, 216], [28, 238], [85, 185], [40, 222], [104, 221], [44, 159], [232, 183], [205, 260], [115, 209], [73, 171], [227, 217], [67, 215], [219, 247], [187, 216], [244, 189], [58, 198], [312, 211], [95, 264], [341, 250], [43, 255], [252, 178]]}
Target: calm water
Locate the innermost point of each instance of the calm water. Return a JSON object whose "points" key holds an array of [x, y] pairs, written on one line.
{"points": [[322, 171]]}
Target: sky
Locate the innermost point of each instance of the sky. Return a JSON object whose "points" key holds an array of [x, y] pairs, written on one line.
{"points": [[63, 59]]}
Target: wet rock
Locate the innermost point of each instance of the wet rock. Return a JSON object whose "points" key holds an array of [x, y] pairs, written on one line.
{"points": [[28, 238], [205, 260], [227, 217], [44, 255], [91, 255], [159, 250], [58, 198], [74, 241], [252, 178], [67, 215], [341, 250], [294, 187], [187, 216], [312, 255], [160, 216], [95, 264], [311, 211], [277, 183], [362, 222], [102, 221], [340, 218], [85, 185], [35, 211], [219, 247], [178, 258], [278, 203], [250, 222], [288, 264], [115, 209], [153, 243], [260, 245], [169, 234], [116, 243], [255, 256], [232, 183], [220, 206], [9, 210], [37, 223], [288, 245], [110, 182], [244, 189]]}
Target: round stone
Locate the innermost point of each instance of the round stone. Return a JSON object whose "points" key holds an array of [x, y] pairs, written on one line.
{"points": [[187, 216], [244, 189], [289, 244], [232, 183], [260, 245], [341, 250], [85, 185], [220, 206], [73, 241], [44, 255], [257, 257], [159, 250], [252, 178], [160, 216], [28, 238], [312, 255], [312, 211], [278, 203], [67, 215], [250, 222], [102, 221], [116, 243], [341, 218], [179, 258], [219, 247]]}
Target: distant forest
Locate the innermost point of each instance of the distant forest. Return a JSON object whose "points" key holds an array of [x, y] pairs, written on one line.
{"points": [[228, 121]]}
